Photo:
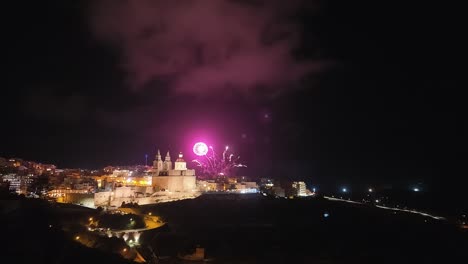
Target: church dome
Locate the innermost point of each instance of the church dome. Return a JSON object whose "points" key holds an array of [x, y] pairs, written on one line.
{"points": [[180, 158]]}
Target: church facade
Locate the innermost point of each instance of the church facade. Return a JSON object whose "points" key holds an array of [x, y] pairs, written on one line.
{"points": [[177, 178]]}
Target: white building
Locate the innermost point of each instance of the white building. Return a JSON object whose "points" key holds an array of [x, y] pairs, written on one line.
{"points": [[168, 183], [121, 173], [14, 182], [167, 178], [247, 187], [18, 184], [299, 188]]}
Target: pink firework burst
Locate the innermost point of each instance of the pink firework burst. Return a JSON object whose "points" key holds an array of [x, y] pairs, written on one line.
{"points": [[213, 165], [200, 149]]}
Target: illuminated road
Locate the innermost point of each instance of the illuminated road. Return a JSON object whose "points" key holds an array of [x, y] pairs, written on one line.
{"points": [[149, 225], [388, 208], [411, 211], [151, 221]]}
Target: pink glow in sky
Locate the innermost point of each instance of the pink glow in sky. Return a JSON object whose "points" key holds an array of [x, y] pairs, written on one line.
{"points": [[200, 149], [206, 47]]}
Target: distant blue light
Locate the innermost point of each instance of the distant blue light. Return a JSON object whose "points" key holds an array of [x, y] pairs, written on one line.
{"points": [[313, 189], [344, 190], [326, 215], [416, 189]]}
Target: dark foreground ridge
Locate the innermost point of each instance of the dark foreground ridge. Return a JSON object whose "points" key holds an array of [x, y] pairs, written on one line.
{"points": [[257, 229], [235, 228], [33, 234]]}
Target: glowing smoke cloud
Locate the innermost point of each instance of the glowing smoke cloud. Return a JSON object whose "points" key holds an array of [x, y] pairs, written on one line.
{"points": [[205, 47], [213, 165]]}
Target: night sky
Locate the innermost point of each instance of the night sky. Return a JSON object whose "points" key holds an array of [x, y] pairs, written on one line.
{"points": [[328, 91]]}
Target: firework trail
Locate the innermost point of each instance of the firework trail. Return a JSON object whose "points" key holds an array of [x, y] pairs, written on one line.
{"points": [[213, 165]]}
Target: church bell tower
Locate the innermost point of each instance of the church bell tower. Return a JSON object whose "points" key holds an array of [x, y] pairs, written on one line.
{"points": [[158, 163], [167, 162]]}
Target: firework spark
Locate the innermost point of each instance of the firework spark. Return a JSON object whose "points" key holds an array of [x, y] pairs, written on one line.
{"points": [[213, 165]]}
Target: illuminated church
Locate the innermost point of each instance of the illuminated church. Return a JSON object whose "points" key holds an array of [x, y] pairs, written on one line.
{"points": [[173, 179]]}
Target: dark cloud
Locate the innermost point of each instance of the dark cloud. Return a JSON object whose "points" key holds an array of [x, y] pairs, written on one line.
{"points": [[206, 47], [46, 106]]}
